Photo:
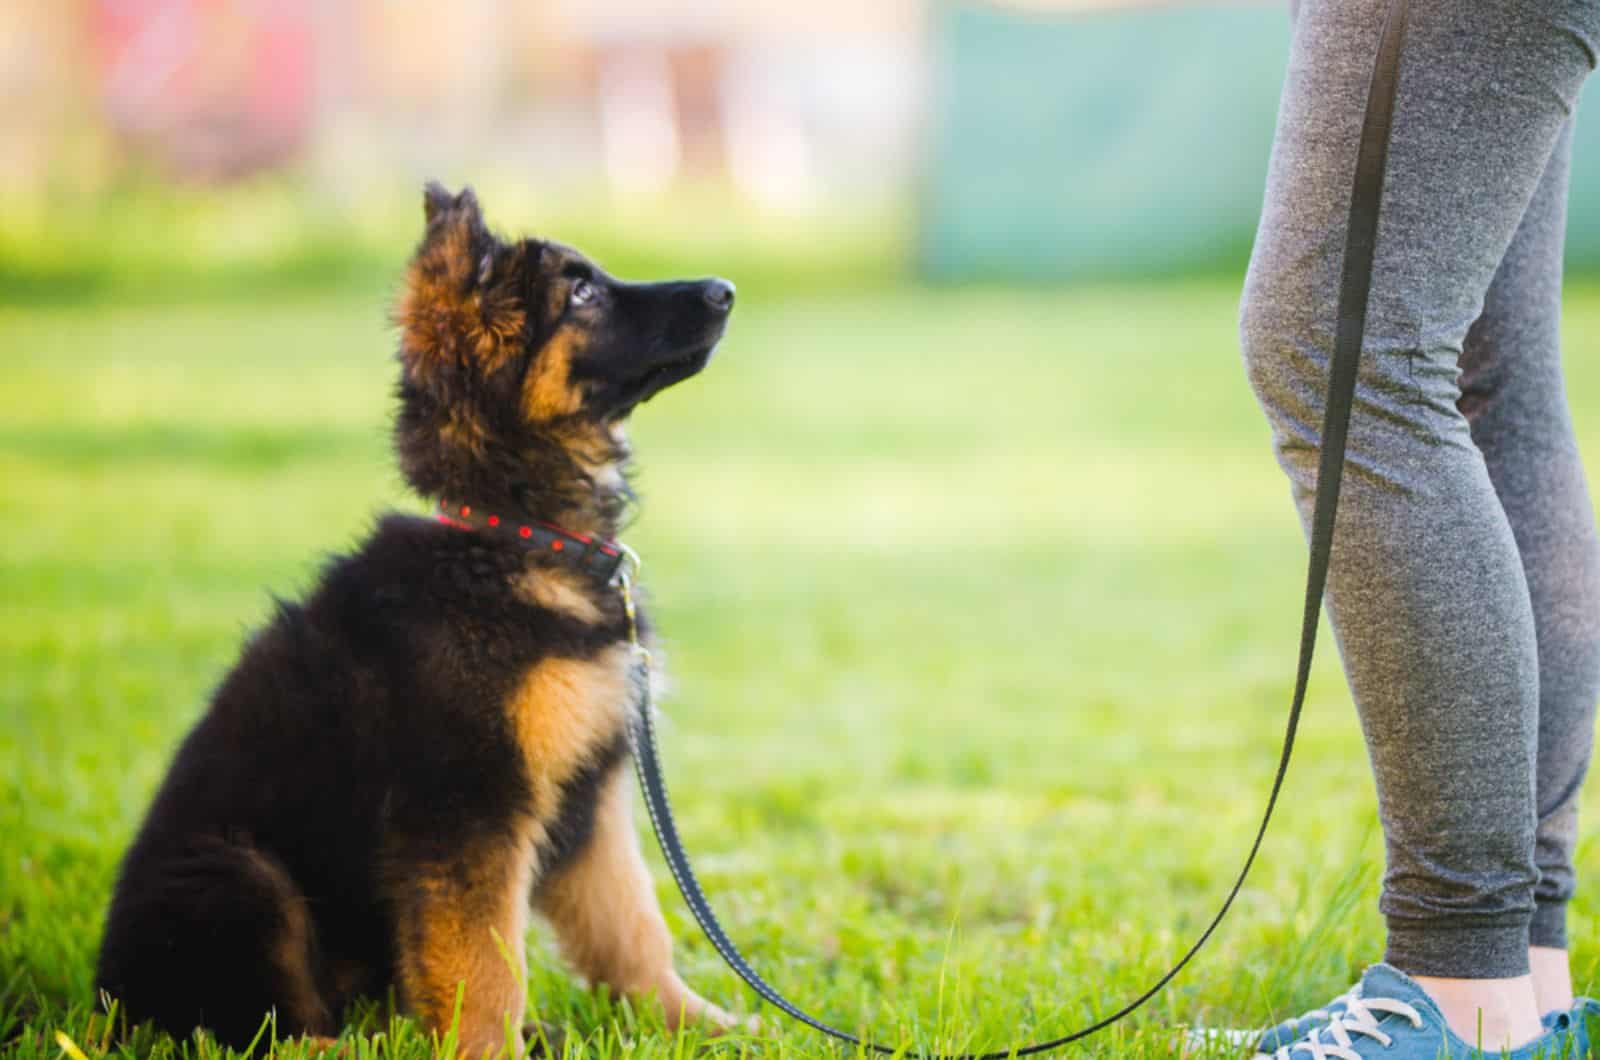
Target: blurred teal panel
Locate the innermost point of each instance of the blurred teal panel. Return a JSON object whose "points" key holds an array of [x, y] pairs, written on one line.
{"points": [[1583, 214], [1118, 142]]}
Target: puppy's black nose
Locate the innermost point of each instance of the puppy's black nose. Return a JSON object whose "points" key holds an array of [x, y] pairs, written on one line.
{"points": [[718, 294]]}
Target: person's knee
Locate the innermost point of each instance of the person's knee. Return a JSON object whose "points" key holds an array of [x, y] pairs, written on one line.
{"points": [[1271, 332]]}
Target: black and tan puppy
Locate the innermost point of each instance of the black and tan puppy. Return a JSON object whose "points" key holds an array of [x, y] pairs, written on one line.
{"points": [[432, 743]]}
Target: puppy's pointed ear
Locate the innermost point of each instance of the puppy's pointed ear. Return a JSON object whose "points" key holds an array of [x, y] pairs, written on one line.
{"points": [[435, 201], [451, 319]]}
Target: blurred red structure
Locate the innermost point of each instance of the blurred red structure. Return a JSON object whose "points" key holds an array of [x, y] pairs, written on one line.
{"points": [[209, 88]]}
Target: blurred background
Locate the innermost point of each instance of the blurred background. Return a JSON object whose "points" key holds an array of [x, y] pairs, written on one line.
{"points": [[144, 140], [977, 575]]}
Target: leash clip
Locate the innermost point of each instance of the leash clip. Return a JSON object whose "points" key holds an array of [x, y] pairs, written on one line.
{"points": [[627, 575], [638, 726]]}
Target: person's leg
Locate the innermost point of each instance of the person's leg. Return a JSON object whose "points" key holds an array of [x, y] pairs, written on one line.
{"points": [[1513, 396], [1427, 593]]}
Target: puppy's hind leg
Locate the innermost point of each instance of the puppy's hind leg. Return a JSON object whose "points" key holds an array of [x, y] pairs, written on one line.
{"points": [[215, 934], [602, 906]]}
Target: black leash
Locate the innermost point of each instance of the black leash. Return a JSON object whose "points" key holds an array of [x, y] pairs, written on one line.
{"points": [[1355, 287]]}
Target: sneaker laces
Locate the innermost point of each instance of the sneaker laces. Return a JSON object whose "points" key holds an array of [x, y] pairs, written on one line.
{"points": [[1321, 1014], [1334, 1041]]}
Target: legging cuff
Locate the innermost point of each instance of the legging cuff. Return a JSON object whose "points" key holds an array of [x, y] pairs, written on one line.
{"points": [[1549, 926], [1494, 950]]}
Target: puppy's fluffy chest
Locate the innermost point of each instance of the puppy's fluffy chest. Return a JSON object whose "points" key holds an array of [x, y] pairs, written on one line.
{"points": [[568, 713], [565, 593]]}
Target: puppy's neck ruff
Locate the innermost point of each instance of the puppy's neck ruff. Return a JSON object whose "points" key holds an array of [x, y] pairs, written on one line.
{"points": [[569, 473]]}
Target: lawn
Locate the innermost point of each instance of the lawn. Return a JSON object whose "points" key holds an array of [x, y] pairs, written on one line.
{"points": [[981, 607]]}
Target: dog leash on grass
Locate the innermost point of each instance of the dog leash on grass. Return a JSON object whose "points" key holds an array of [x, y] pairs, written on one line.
{"points": [[1355, 288]]}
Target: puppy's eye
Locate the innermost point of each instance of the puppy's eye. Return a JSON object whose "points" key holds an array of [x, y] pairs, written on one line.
{"points": [[583, 292]]}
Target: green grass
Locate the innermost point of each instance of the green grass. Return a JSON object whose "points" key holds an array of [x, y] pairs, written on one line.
{"points": [[981, 607]]}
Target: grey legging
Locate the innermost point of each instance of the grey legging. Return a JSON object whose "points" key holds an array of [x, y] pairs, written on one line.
{"points": [[1465, 586]]}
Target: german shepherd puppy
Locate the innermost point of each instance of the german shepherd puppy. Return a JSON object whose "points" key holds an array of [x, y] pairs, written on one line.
{"points": [[433, 742]]}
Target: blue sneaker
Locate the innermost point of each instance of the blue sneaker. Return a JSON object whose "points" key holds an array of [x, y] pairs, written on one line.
{"points": [[1289, 1031], [1391, 1017]]}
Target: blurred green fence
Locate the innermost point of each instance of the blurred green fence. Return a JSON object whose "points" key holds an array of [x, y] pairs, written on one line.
{"points": [[1119, 142]]}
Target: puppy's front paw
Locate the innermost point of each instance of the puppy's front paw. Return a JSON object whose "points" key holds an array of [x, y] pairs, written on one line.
{"points": [[751, 1025], [711, 1020]]}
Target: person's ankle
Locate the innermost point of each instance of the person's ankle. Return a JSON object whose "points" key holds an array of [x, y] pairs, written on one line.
{"points": [[1552, 978], [1489, 1013]]}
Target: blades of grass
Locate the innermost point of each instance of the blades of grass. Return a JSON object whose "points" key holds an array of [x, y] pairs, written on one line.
{"points": [[269, 1025], [69, 1047], [450, 1045]]}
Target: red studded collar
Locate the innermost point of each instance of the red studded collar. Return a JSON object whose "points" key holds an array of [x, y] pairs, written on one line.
{"points": [[591, 555]]}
